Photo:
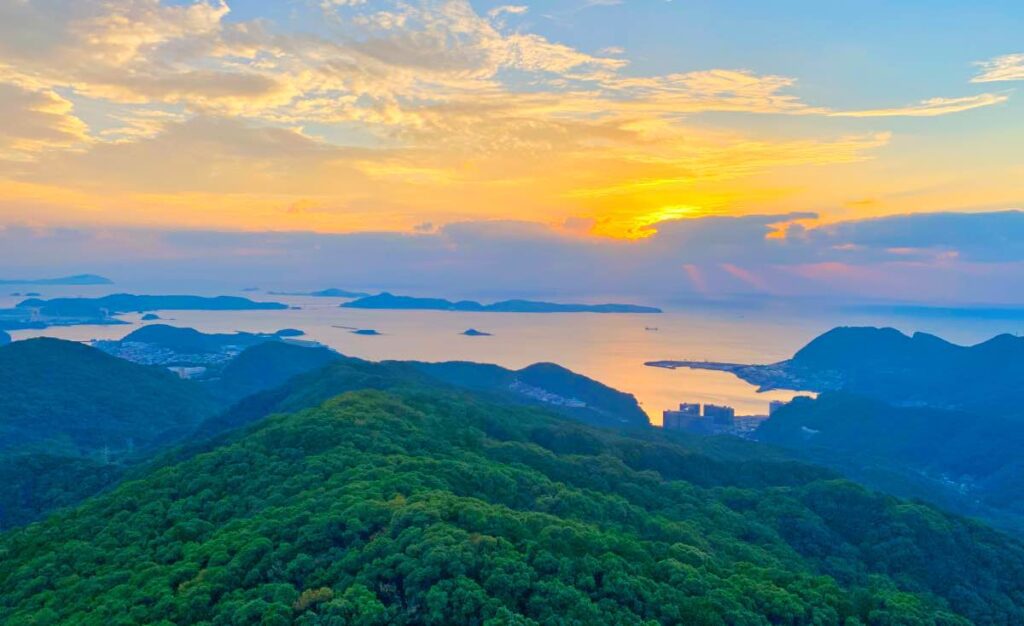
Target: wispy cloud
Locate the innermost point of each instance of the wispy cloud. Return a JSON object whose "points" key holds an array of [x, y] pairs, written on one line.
{"points": [[508, 9], [932, 107], [395, 113], [1003, 68]]}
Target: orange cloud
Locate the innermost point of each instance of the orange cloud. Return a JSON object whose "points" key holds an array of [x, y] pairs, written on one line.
{"points": [[412, 112]]}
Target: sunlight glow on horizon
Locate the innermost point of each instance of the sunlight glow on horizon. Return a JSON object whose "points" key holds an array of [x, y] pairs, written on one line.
{"points": [[384, 115]]}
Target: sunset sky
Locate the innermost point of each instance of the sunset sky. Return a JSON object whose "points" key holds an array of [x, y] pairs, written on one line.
{"points": [[592, 120]]}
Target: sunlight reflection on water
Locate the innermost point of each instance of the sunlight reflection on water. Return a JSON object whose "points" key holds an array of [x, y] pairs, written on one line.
{"points": [[609, 348]]}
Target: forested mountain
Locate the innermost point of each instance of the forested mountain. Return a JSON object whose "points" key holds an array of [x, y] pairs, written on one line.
{"points": [[347, 491], [267, 365], [914, 415], [921, 369], [74, 419], [549, 384], [32, 484], [186, 340], [64, 396], [967, 462], [917, 370], [71, 416], [541, 384], [429, 507]]}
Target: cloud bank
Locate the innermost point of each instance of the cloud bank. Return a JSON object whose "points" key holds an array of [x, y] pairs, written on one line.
{"points": [[382, 115], [941, 257]]}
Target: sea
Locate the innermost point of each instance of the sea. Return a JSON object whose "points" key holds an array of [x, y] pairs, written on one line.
{"points": [[611, 348]]}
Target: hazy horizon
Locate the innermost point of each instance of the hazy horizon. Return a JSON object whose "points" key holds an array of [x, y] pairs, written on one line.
{"points": [[657, 150]]}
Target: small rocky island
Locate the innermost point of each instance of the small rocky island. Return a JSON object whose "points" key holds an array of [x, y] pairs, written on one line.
{"points": [[472, 332]]}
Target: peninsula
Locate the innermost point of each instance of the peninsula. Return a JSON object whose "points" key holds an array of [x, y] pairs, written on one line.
{"points": [[908, 370], [389, 301]]}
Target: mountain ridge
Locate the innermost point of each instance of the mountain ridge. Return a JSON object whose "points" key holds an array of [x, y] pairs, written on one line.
{"points": [[420, 507]]}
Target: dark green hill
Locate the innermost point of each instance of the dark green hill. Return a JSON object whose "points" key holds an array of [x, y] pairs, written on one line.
{"points": [[72, 417], [33, 484], [312, 388], [81, 406], [413, 507], [190, 341], [970, 463], [64, 396], [545, 384], [541, 384], [267, 365], [883, 363]]}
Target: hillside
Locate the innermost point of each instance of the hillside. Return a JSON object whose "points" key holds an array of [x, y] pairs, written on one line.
{"points": [[61, 395], [191, 341], [883, 363], [71, 417], [545, 384], [542, 384], [969, 463], [32, 484], [921, 369], [267, 365], [426, 508]]}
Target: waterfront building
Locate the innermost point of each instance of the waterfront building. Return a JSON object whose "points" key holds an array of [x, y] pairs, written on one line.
{"points": [[719, 413]]}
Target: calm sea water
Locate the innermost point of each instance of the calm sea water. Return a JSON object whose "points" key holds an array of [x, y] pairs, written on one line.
{"points": [[609, 348]]}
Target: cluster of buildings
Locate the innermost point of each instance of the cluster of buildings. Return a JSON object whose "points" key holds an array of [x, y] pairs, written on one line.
{"points": [[152, 354], [545, 396], [715, 419]]}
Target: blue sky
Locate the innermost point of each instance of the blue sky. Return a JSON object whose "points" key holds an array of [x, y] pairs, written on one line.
{"points": [[598, 121]]}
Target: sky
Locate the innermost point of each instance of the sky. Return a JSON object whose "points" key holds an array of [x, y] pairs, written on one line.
{"points": [[661, 147]]}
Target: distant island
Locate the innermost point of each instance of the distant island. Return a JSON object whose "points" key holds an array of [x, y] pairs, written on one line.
{"points": [[323, 293], [188, 348], [36, 313], [472, 332], [389, 301], [126, 303], [77, 279]]}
